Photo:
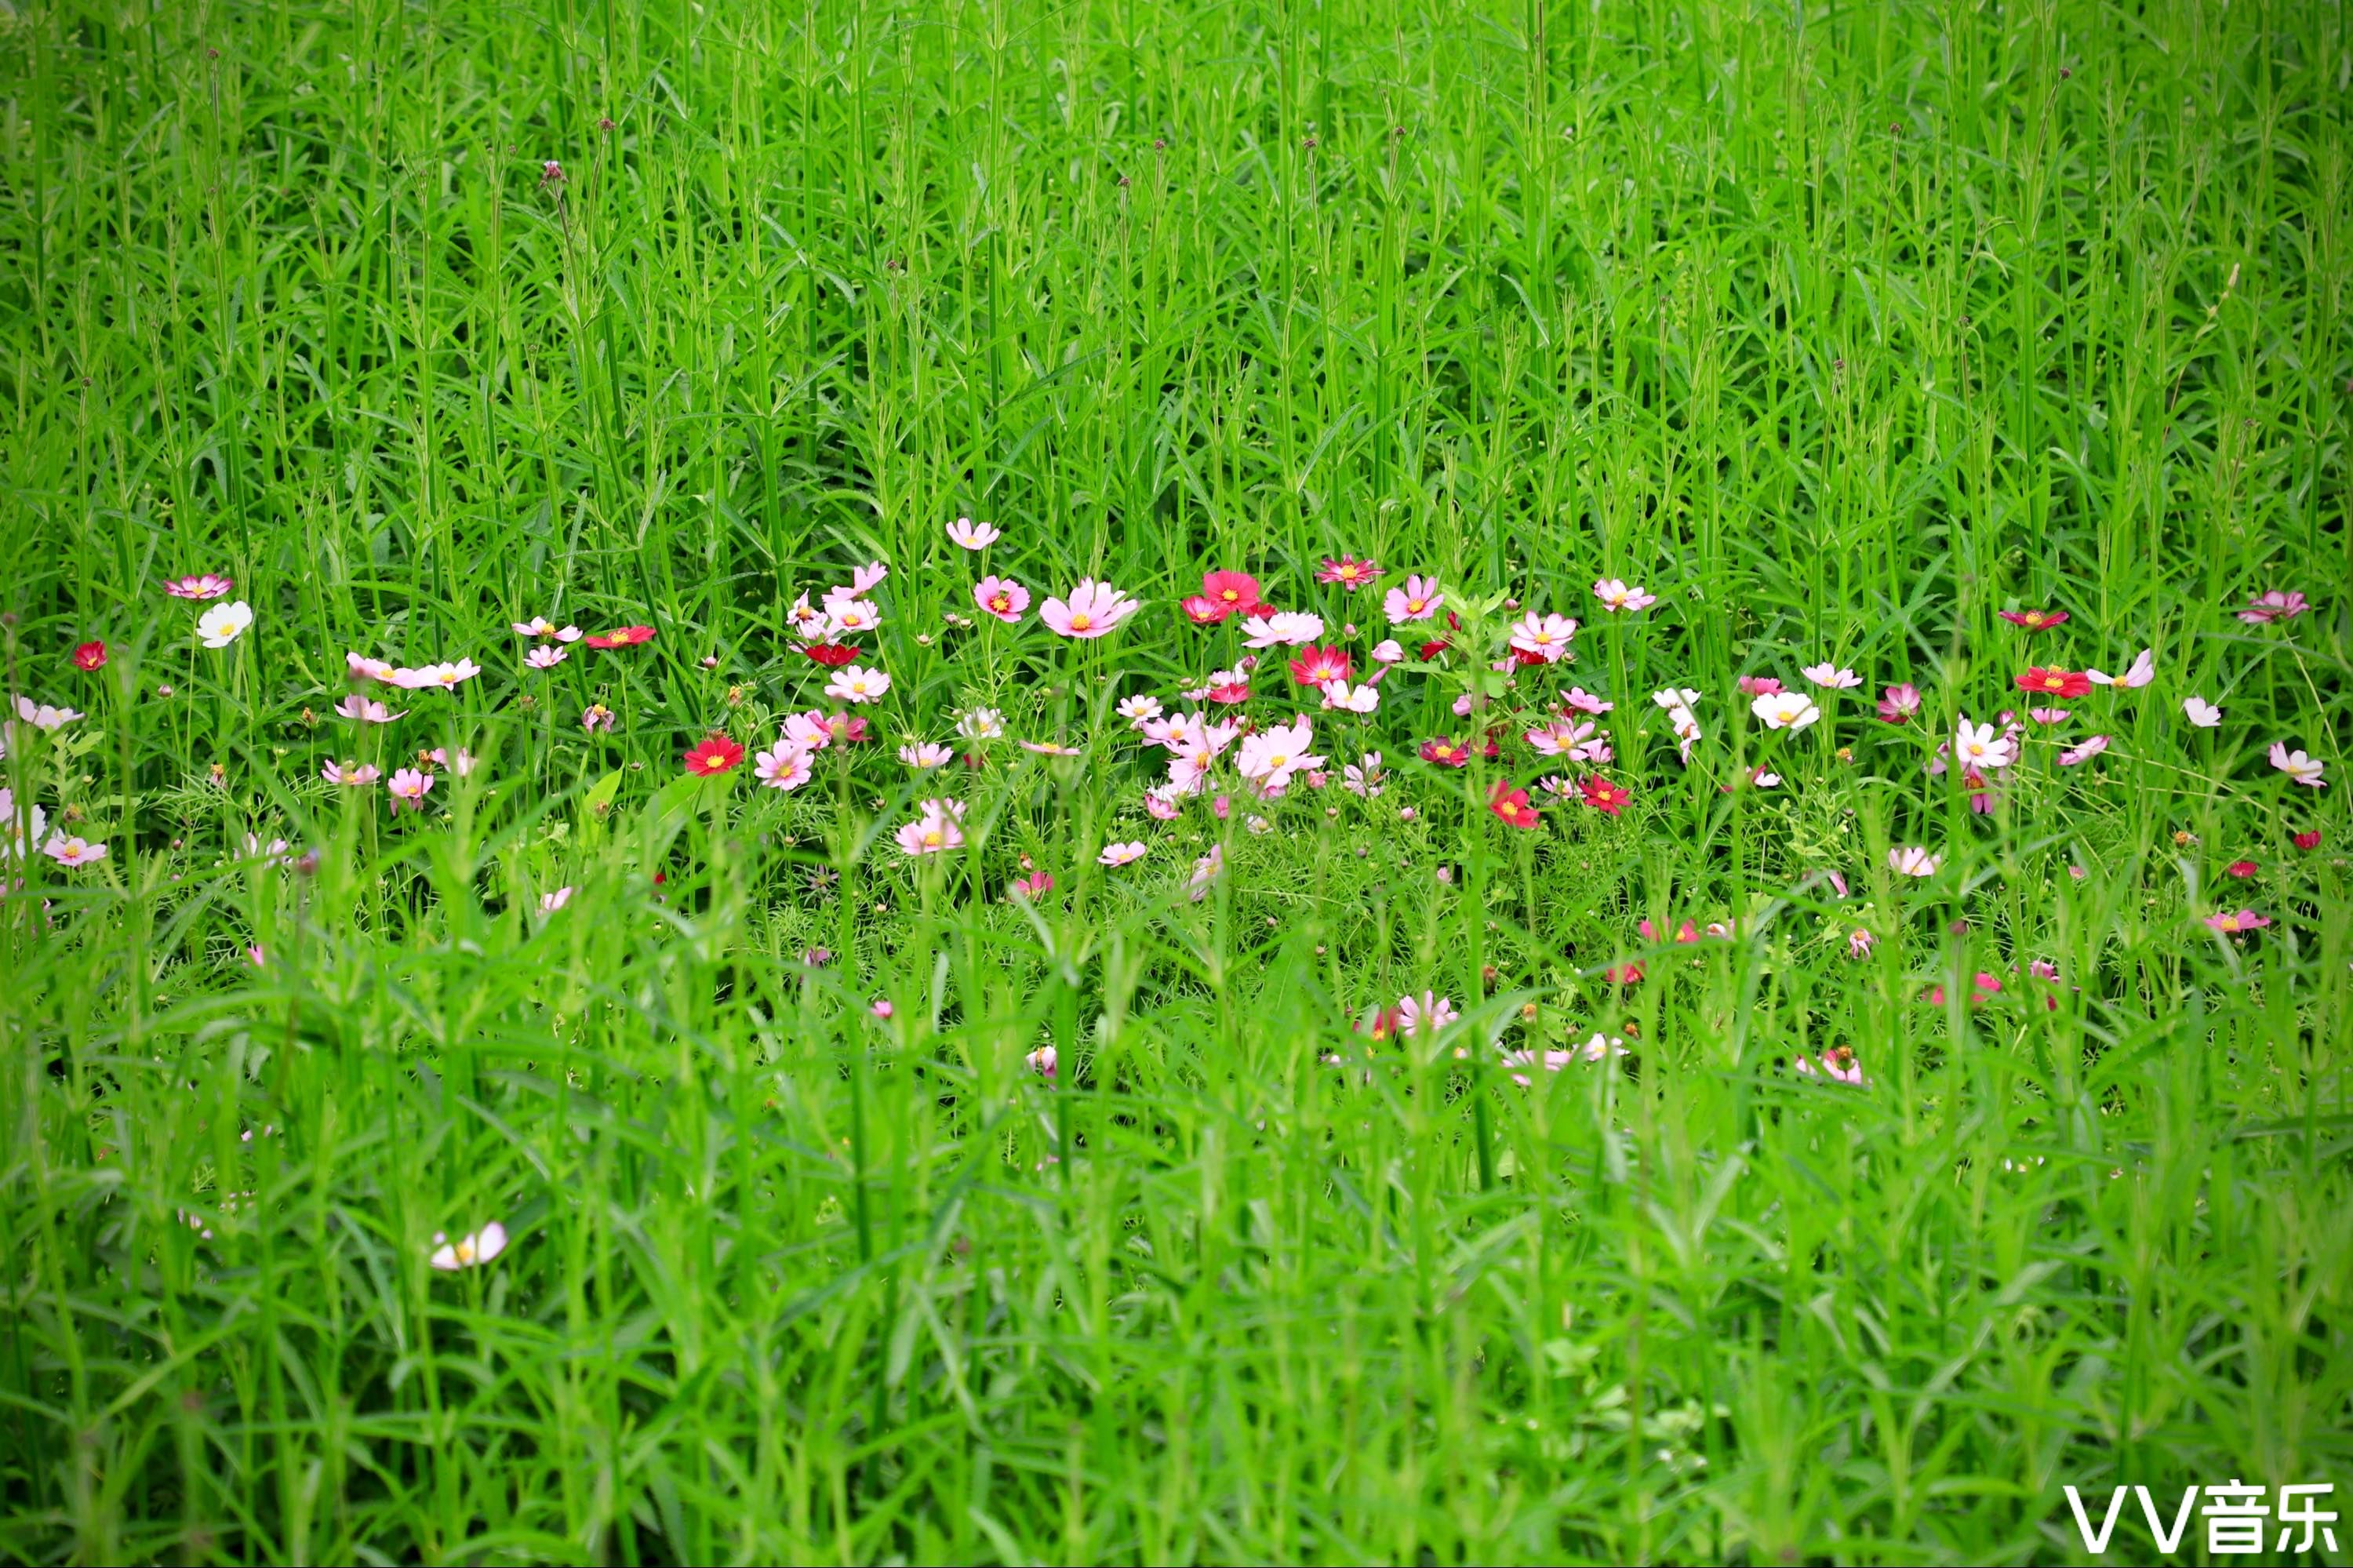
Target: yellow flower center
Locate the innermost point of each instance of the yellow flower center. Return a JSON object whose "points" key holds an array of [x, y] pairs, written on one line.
{"points": [[1080, 621]]}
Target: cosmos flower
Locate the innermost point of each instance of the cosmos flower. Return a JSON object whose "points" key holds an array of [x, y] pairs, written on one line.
{"points": [[927, 754], [1561, 736], [857, 684], [1859, 943], [2091, 747], [43, 716], [1160, 802], [1615, 594], [1042, 1062], [1603, 796], [89, 656], [1579, 700], [2065, 685], [461, 761], [981, 724], [1979, 748], [1786, 710], [1446, 751], [203, 585], [541, 626], [1831, 676], [2201, 712], [2034, 619], [1364, 776], [1898, 703], [1419, 600], [1545, 638], [973, 536], [1094, 610], [934, 832], [2242, 868], [446, 677], [1757, 686], [806, 621], [1317, 665], [356, 706], [1912, 861], [621, 637], [1121, 853], [1286, 628], [408, 788], [2049, 716], [546, 658], [713, 755], [353, 775], [1428, 1013], [2140, 672], [1340, 697], [364, 668], [1839, 1065], [1510, 805], [829, 655], [596, 716], [1206, 872], [2273, 606], [469, 1251], [2299, 768], [1139, 711], [223, 623], [1349, 573], [1223, 594], [71, 850], [1272, 755], [850, 617], [1001, 597], [2308, 839], [1389, 652], [549, 903], [2230, 925], [783, 765]]}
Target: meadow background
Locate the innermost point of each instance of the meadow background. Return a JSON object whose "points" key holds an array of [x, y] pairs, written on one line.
{"points": [[1842, 329]]}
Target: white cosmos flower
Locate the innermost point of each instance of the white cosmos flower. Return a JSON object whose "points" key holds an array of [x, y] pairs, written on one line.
{"points": [[925, 754], [972, 536], [1786, 710], [1121, 853], [1981, 747], [470, 1250], [1832, 676], [1346, 698], [1288, 626], [856, 685], [222, 624], [2201, 712], [2142, 671], [2298, 767], [1912, 861], [982, 723]]}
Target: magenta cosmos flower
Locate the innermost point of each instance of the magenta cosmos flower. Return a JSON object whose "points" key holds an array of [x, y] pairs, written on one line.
{"points": [[203, 585], [971, 535], [1616, 595], [2231, 924], [1419, 600], [1898, 703], [1093, 611], [1347, 571], [1002, 598], [408, 790], [2273, 606]]}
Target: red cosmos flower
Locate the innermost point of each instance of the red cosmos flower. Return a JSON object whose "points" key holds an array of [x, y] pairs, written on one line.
{"points": [[1686, 932], [1201, 611], [1317, 665], [1347, 571], [1228, 593], [2310, 841], [2034, 619], [832, 655], [2242, 868], [1511, 804], [1385, 1024], [626, 637], [1623, 974], [2053, 682], [715, 754], [1600, 794], [1444, 751], [1432, 650], [89, 656], [1230, 693]]}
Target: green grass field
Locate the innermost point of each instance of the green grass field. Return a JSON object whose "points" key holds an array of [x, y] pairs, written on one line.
{"points": [[1912, 1199]]}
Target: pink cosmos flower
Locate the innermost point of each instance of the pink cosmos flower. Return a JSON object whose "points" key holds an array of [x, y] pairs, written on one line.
{"points": [[1160, 803], [1364, 777], [2049, 716], [809, 731], [1898, 703], [934, 831], [973, 536], [2273, 606], [357, 706], [1121, 853], [1429, 1011], [1002, 598], [549, 903], [1419, 600], [783, 765], [408, 788], [203, 585], [2201, 712], [1545, 638], [596, 716], [856, 685], [1980, 746], [1859, 943], [1838, 1064], [2299, 768], [1389, 652], [460, 762], [1272, 755], [1205, 871], [71, 850], [1094, 610], [545, 658], [364, 668], [861, 579], [1579, 700], [355, 775], [2140, 672], [1757, 686], [1283, 628], [927, 754], [807, 621], [1315, 665], [1340, 697], [848, 617], [1912, 861], [1139, 711], [44, 716], [2092, 747], [540, 626], [1558, 737], [446, 677], [1042, 1062], [2230, 925], [1615, 594], [1349, 572], [1831, 676]]}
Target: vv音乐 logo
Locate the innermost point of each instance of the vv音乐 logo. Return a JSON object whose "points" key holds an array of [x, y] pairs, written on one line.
{"points": [[2236, 1514]]}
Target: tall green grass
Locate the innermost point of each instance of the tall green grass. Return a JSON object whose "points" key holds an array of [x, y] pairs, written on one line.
{"points": [[1842, 329]]}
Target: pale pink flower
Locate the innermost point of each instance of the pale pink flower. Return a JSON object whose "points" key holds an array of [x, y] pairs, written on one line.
{"points": [[540, 626], [1094, 610], [807, 621], [1139, 711], [2273, 606], [1785, 710], [1042, 1061], [1160, 802], [1558, 737], [2299, 768], [2201, 712], [43, 716], [862, 578], [1615, 594], [409, 787], [470, 1250], [1389, 652], [545, 658], [1428, 1012], [366, 669], [1831, 676], [855, 683], [1285, 628], [1419, 600], [354, 775], [809, 731], [1859, 943], [848, 617], [1912, 861], [2092, 747], [549, 903], [973, 536], [446, 677], [1364, 778], [1002, 598], [2050, 716], [933, 833], [982, 723], [1121, 853], [596, 716], [70, 849], [1272, 755], [783, 765], [1346, 698], [1545, 637], [1579, 700], [1981, 747], [927, 754], [460, 762], [2140, 672], [1205, 871], [357, 706]]}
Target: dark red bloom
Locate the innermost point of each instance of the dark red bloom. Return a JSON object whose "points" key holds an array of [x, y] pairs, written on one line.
{"points": [[832, 655], [1446, 752], [2053, 682], [2242, 868], [1385, 1024], [2034, 619], [2310, 841], [1317, 665], [1230, 593], [626, 637], [1522, 656], [715, 754], [1432, 650], [89, 656], [1512, 805], [1602, 794]]}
